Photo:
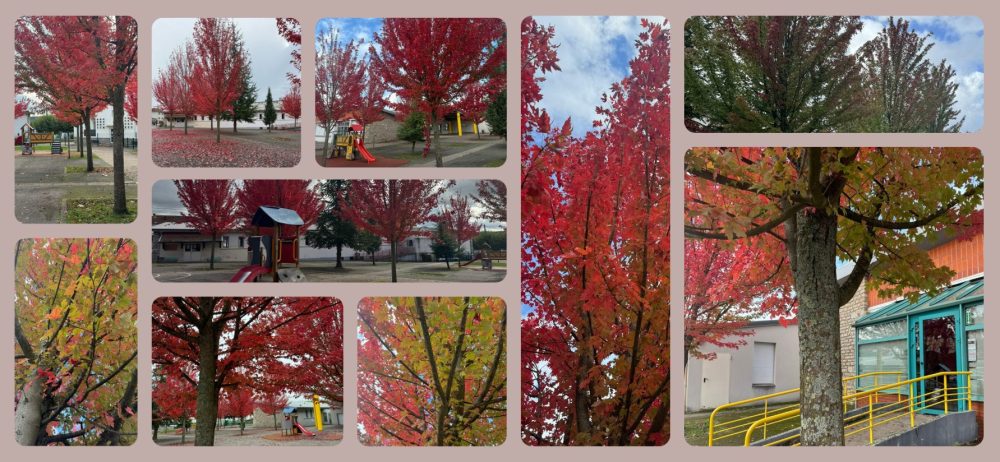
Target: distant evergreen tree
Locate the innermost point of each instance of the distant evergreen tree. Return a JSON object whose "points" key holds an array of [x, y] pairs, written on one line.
{"points": [[332, 229], [367, 242], [496, 114], [245, 106], [270, 115], [445, 245], [412, 129]]}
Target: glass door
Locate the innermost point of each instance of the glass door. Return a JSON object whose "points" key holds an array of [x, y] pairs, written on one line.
{"points": [[935, 341]]}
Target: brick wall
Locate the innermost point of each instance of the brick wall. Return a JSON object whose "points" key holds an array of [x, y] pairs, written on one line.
{"points": [[964, 257], [849, 313]]}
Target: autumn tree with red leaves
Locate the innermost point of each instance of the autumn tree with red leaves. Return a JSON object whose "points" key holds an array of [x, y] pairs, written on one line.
{"points": [[75, 342], [433, 63], [291, 104], [272, 403], [239, 402], [458, 219], [173, 400], [392, 209], [595, 264], [830, 204], [291, 31], [432, 371], [215, 79], [298, 195], [103, 52], [132, 100], [340, 81], [217, 343], [492, 196], [210, 208]]}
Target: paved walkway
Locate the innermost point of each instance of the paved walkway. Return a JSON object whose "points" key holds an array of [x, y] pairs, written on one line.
{"points": [[42, 184], [230, 436], [453, 160], [324, 271]]}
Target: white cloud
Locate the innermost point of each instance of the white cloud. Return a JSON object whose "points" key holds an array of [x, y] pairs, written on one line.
{"points": [[590, 57], [958, 40]]}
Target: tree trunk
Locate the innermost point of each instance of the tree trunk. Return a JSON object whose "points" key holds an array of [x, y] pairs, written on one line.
{"points": [[207, 402], [218, 131], [234, 122], [185, 125], [90, 147], [211, 261], [326, 141], [373, 258], [438, 160], [815, 275], [447, 263], [79, 139], [392, 257], [118, 147], [28, 415], [340, 261], [275, 415]]}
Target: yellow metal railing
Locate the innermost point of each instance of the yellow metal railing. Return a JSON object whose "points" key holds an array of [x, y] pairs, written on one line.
{"points": [[871, 410], [721, 430]]}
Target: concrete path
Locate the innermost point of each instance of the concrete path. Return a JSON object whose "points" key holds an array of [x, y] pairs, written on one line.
{"points": [[42, 184]]}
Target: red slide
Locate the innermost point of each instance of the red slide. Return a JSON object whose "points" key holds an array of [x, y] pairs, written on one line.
{"points": [[364, 151], [303, 430], [249, 273]]}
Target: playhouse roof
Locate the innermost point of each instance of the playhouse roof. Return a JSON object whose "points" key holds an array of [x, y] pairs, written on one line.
{"points": [[269, 216], [967, 291]]}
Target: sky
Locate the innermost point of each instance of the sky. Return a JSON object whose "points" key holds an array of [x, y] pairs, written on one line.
{"points": [[957, 40], [594, 52], [270, 53], [166, 202], [350, 28]]}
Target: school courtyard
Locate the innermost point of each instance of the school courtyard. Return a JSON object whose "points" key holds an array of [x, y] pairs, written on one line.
{"points": [[248, 147], [353, 271], [56, 189], [458, 151]]}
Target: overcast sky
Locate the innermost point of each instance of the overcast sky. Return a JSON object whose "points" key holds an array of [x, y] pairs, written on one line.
{"points": [[166, 202], [957, 40], [270, 53]]}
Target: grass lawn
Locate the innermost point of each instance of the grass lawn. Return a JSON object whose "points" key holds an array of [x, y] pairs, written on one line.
{"points": [[696, 428], [83, 169], [495, 163], [97, 211]]}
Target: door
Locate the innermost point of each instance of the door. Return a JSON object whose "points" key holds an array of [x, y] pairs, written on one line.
{"points": [[715, 381], [935, 349], [192, 252]]}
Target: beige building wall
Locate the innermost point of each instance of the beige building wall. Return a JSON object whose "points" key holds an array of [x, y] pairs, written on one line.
{"points": [[854, 309]]}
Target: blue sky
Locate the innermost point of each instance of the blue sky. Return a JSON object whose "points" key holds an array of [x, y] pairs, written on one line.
{"points": [[350, 28], [957, 40], [594, 52]]}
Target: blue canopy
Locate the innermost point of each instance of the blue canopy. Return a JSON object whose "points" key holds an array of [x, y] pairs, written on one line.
{"points": [[268, 216]]}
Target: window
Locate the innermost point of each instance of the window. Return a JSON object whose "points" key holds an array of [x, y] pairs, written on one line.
{"points": [[883, 330], [889, 356], [192, 247], [763, 363], [974, 314], [170, 246], [242, 242], [225, 242], [974, 338], [409, 242]]}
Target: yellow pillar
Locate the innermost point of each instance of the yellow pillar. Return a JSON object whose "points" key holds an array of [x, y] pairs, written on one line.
{"points": [[475, 128], [458, 115], [316, 413]]}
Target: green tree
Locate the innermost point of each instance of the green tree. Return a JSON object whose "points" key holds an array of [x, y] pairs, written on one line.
{"points": [[870, 206], [445, 245], [270, 115], [332, 229], [368, 243], [245, 105], [412, 129], [906, 91], [496, 240], [496, 114], [791, 74], [50, 124]]}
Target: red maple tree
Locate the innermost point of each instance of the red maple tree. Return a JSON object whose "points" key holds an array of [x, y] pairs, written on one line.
{"points": [[238, 402], [298, 195], [215, 79], [291, 104], [174, 400], [291, 31], [273, 403], [216, 343], [371, 107], [392, 209], [433, 63], [595, 264], [458, 218], [132, 100], [210, 208], [340, 74]]}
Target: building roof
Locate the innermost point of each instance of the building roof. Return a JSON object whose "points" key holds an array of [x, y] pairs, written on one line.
{"points": [[970, 290], [268, 215]]}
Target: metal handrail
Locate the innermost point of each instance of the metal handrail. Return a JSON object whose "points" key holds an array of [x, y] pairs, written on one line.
{"points": [[870, 393], [766, 398]]}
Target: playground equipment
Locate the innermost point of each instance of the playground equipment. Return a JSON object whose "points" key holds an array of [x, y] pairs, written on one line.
{"points": [[349, 144], [276, 242], [866, 409], [29, 137], [291, 423], [317, 413]]}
